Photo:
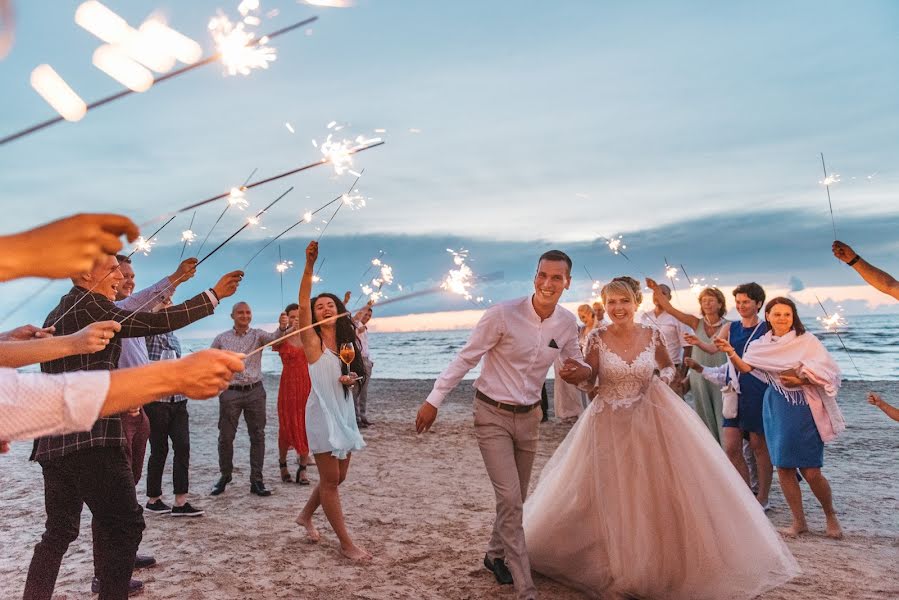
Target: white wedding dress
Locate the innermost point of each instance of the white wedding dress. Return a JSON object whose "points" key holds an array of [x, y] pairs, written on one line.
{"points": [[640, 501]]}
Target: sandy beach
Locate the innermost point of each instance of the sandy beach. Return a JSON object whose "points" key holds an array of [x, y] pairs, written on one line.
{"points": [[423, 506]]}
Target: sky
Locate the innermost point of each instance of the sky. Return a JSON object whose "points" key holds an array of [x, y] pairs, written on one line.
{"points": [[692, 129]]}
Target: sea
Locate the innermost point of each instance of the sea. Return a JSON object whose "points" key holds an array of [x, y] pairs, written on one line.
{"points": [[866, 348]]}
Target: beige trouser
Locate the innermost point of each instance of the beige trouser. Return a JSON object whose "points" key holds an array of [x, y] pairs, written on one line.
{"points": [[508, 443]]}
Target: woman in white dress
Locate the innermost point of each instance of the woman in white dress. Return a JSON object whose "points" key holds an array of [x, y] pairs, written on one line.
{"points": [[639, 500], [330, 415]]}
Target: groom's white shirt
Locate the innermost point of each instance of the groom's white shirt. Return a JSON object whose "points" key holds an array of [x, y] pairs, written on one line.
{"points": [[516, 346]]}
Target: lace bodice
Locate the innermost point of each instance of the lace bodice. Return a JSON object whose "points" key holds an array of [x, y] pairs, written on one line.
{"points": [[620, 383]]}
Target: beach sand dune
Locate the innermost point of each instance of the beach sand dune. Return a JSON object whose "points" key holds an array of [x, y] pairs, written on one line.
{"points": [[423, 506]]}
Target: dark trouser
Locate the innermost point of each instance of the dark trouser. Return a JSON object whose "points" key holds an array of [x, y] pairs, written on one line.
{"points": [[252, 404], [360, 395], [168, 420], [137, 432], [102, 479]]}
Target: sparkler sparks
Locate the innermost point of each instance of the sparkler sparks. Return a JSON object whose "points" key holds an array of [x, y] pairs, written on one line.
{"points": [[237, 197], [670, 272], [340, 152], [833, 322], [283, 266], [458, 281], [188, 236], [831, 179], [353, 200], [144, 245], [240, 51], [616, 245]]}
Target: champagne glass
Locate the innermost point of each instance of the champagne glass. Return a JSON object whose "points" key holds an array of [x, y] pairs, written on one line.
{"points": [[347, 354]]}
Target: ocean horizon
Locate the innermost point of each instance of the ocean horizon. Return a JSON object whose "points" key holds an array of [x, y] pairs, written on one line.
{"points": [[872, 340]]}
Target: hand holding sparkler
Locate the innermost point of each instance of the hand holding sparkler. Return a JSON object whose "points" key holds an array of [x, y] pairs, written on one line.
{"points": [[26, 332], [227, 285], [845, 253], [63, 248]]}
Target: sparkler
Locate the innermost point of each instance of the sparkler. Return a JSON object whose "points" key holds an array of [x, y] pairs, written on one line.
{"points": [[307, 217], [831, 323], [236, 197], [458, 281], [113, 97], [187, 236], [595, 286], [27, 300], [282, 266], [295, 332], [350, 199], [323, 161], [671, 274], [827, 182], [245, 225], [240, 51]]}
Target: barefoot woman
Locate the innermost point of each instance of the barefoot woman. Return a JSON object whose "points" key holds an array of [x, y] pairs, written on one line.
{"points": [[330, 416]]}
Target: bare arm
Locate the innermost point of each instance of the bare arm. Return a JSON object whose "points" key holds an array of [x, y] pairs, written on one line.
{"points": [[93, 338], [199, 375], [311, 342], [876, 278], [687, 319], [890, 411], [724, 346]]}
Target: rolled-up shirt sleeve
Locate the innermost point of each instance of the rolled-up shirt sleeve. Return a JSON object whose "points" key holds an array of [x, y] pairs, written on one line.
{"points": [[486, 334], [37, 404]]}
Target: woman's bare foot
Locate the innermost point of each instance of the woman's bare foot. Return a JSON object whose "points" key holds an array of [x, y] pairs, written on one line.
{"points": [[794, 530], [833, 527], [311, 532], [354, 552]]}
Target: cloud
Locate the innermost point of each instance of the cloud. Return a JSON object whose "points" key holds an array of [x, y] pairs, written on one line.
{"points": [[796, 284]]}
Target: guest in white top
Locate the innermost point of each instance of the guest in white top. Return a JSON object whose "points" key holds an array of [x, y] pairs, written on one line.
{"points": [[673, 332], [518, 341]]}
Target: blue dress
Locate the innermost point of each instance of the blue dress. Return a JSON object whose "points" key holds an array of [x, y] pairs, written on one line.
{"points": [[791, 433], [330, 416], [752, 389]]}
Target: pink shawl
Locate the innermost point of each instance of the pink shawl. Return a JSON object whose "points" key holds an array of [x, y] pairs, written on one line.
{"points": [[770, 356]]}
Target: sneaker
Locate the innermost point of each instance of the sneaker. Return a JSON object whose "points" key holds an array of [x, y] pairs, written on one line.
{"points": [[135, 586], [159, 507], [186, 510]]}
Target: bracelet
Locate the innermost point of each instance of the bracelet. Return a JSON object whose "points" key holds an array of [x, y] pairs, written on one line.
{"points": [[854, 260]]}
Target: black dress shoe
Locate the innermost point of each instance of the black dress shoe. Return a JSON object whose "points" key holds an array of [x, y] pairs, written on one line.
{"points": [[499, 569], [258, 488], [142, 562], [220, 485], [135, 586]]}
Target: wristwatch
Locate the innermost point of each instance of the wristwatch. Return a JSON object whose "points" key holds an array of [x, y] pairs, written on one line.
{"points": [[854, 260]]}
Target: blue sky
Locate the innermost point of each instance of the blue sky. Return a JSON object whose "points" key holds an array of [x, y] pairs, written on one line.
{"points": [[691, 128]]}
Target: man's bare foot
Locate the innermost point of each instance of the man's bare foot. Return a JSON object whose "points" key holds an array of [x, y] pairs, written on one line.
{"points": [[311, 532], [354, 552], [794, 530], [833, 528]]}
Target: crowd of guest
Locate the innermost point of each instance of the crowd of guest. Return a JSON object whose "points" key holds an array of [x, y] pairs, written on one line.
{"points": [[113, 380]]}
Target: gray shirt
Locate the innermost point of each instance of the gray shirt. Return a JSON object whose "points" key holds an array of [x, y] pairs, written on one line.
{"points": [[245, 343]]}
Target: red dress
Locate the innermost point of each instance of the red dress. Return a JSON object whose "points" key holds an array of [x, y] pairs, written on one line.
{"points": [[293, 392]]}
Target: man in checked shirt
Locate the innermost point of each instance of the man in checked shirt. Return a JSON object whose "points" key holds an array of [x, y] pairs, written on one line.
{"points": [[91, 467], [245, 394]]}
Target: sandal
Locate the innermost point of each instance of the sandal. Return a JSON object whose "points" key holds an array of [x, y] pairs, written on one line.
{"points": [[285, 474], [301, 477]]}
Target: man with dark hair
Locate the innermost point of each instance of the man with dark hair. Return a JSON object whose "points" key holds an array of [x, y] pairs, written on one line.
{"points": [[519, 340], [91, 467]]}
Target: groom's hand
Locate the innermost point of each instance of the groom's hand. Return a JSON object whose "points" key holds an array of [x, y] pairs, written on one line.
{"points": [[574, 372], [425, 417]]}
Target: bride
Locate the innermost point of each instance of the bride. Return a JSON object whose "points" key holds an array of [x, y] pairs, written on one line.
{"points": [[639, 500]]}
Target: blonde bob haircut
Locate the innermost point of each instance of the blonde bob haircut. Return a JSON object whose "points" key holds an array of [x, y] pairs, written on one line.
{"points": [[625, 286], [717, 295]]}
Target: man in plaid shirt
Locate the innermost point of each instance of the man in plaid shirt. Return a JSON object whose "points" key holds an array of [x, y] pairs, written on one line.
{"points": [[91, 467]]}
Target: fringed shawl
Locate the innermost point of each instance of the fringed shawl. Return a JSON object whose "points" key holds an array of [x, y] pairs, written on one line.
{"points": [[769, 356]]}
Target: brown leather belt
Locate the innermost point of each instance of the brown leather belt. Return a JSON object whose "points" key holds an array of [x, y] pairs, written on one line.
{"points": [[512, 408]]}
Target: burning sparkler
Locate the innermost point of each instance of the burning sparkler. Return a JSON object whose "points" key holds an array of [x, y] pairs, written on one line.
{"points": [[827, 182], [144, 245], [240, 51], [458, 281], [340, 152], [831, 324]]}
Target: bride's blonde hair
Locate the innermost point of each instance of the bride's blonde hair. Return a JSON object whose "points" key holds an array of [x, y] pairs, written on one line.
{"points": [[624, 285]]}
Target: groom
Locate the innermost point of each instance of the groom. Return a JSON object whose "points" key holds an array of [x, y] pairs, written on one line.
{"points": [[519, 341]]}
